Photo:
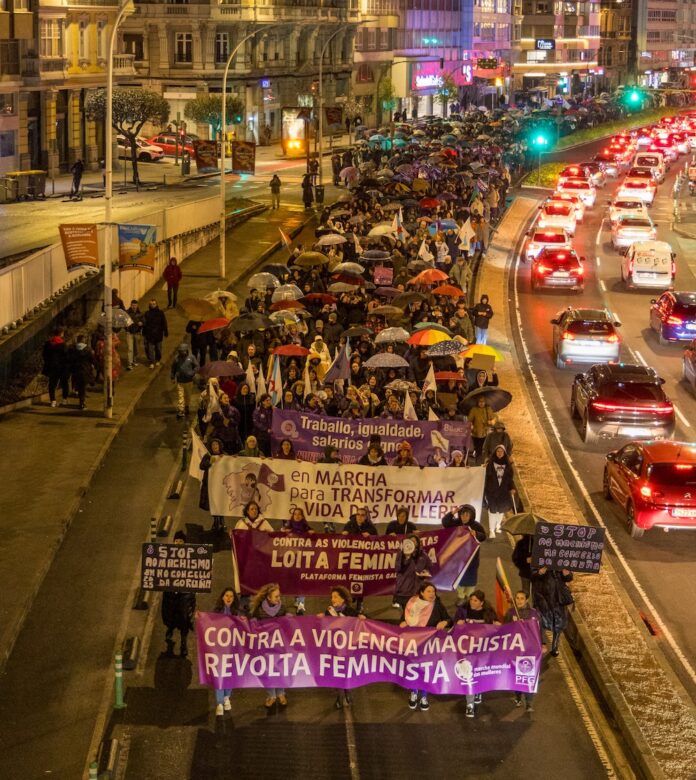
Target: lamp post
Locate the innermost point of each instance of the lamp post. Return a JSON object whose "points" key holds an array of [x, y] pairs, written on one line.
{"points": [[124, 10], [223, 142]]}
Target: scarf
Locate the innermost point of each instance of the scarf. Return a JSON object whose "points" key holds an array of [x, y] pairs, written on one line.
{"points": [[418, 611], [499, 471], [271, 609]]}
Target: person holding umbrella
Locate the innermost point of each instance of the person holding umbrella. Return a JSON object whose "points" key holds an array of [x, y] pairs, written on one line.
{"points": [[481, 418]]}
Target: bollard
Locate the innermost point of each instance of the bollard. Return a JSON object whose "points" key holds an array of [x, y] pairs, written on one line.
{"points": [[176, 490], [185, 444], [165, 526], [153, 529], [119, 704], [93, 771]]}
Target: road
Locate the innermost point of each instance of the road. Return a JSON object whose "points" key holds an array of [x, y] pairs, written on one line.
{"points": [[658, 570]]}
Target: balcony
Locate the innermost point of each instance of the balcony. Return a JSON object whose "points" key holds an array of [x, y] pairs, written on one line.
{"points": [[247, 11], [124, 65], [47, 68]]}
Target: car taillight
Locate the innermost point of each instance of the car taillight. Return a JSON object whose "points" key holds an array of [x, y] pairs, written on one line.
{"points": [[672, 320], [674, 269], [630, 267], [650, 493], [605, 406], [567, 336], [577, 271], [613, 338], [542, 269]]}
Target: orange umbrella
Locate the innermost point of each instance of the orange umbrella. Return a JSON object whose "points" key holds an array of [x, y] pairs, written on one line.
{"points": [[281, 305], [429, 276], [427, 337], [449, 290]]}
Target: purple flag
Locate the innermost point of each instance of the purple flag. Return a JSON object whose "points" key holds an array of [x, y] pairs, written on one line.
{"points": [[340, 368]]}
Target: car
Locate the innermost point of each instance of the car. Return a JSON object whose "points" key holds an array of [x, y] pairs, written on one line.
{"points": [[146, 152], [621, 399], [647, 174], [643, 136], [681, 142], [666, 146], [655, 161], [573, 172], [167, 142], [612, 162], [585, 336], [558, 214], [598, 175], [654, 483], [581, 187], [637, 189], [627, 230], [575, 200], [689, 365], [649, 264], [626, 208], [673, 316], [558, 268], [539, 238]]}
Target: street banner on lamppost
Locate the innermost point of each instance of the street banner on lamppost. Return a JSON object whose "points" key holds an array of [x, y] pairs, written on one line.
{"points": [[243, 157], [136, 247], [80, 245]]}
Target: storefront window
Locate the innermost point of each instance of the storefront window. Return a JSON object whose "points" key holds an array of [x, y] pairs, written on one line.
{"points": [[7, 144]]}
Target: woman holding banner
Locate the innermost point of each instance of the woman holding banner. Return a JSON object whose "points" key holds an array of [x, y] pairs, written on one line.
{"points": [[267, 604], [476, 610], [216, 452], [297, 524], [424, 610], [227, 604], [412, 566]]}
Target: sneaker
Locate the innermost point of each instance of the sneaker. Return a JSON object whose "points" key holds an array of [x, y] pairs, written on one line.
{"points": [[470, 711], [413, 700], [338, 704], [83, 406], [152, 365], [129, 368], [179, 416], [64, 402], [477, 698], [158, 363], [219, 710], [518, 700], [424, 704], [53, 404], [529, 707], [226, 704], [395, 605], [300, 609], [282, 700], [347, 699]]}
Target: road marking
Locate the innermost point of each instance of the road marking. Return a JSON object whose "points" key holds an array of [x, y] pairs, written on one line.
{"points": [[602, 286], [656, 615], [683, 419], [599, 261], [641, 358], [351, 743], [599, 233]]}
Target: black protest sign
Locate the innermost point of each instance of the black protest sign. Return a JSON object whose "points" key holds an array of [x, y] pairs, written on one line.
{"points": [[182, 567], [574, 547]]}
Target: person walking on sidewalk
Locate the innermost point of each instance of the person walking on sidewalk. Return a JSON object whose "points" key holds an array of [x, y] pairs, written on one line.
{"points": [[184, 367], [172, 276], [154, 332], [275, 186], [178, 609], [81, 362], [482, 313], [55, 365], [133, 331], [77, 169], [307, 193]]}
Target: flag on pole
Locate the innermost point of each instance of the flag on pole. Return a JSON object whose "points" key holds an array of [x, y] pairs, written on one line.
{"points": [[307, 383], [432, 417], [213, 403], [251, 378], [340, 368], [260, 382], [285, 238], [275, 382], [398, 225], [198, 450], [424, 253], [409, 411], [466, 235], [503, 592], [429, 381]]}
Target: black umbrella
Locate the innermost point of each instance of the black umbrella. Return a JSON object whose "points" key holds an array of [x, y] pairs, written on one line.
{"points": [[357, 330], [403, 299], [247, 322], [278, 270], [496, 398], [220, 368]]}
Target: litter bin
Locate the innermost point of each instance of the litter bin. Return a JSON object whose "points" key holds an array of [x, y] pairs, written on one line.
{"points": [[319, 194], [36, 186], [185, 164], [9, 189]]}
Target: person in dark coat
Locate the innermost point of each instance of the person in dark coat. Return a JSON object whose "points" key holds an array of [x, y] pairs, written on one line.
{"points": [[496, 437], [154, 332], [412, 566], [227, 604], [263, 421], [523, 611], [373, 457], [266, 605], [466, 516], [552, 597], [307, 191], [427, 611], [402, 525], [55, 365], [331, 455], [245, 403], [216, 452], [178, 609], [81, 364], [499, 489], [77, 169], [172, 276], [360, 523], [522, 558], [482, 314], [475, 610]]}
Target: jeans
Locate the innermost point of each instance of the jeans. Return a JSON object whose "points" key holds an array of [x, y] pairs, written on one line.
{"points": [[133, 344], [153, 350], [53, 381], [275, 200], [221, 695], [274, 693], [183, 391], [481, 335], [172, 292]]}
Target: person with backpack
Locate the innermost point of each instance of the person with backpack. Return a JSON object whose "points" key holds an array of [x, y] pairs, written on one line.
{"points": [[184, 367]]}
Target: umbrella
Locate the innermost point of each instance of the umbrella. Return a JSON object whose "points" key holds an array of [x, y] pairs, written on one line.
{"points": [[402, 386], [382, 229], [392, 335], [391, 207], [358, 281], [496, 398], [248, 322], [216, 324], [291, 350], [387, 292], [446, 196], [340, 212], [386, 360], [341, 287], [430, 276], [483, 349], [421, 185], [444, 376], [120, 318], [523, 523], [448, 224], [357, 330], [376, 137], [311, 259], [348, 173], [433, 326], [220, 368], [218, 296], [448, 290], [358, 219], [351, 268], [428, 203], [375, 254], [426, 338], [262, 280], [286, 317], [320, 297], [198, 309], [418, 265], [388, 311], [403, 299], [285, 304], [277, 269], [331, 239], [286, 292], [444, 348]]}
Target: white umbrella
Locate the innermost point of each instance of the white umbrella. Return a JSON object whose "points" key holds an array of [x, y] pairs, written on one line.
{"points": [[121, 319], [383, 229], [330, 239], [351, 268], [287, 292], [389, 335], [262, 280]]}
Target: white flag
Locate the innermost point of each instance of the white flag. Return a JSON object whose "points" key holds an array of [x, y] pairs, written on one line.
{"points": [[424, 253], [213, 404], [275, 384], [465, 235], [429, 381], [261, 383], [198, 450], [432, 417], [307, 383], [409, 411], [251, 378], [398, 225], [358, 248]]}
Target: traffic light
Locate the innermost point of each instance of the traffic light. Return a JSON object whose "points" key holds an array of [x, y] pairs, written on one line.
{"points": [[633, 99], [540, 140]]}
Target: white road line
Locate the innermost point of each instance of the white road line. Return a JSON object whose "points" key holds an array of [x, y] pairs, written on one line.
{"points": [[599, 261], [683, 419], [641, 358], [656, 615], [598, 240], [351, 743], [602, 286]]}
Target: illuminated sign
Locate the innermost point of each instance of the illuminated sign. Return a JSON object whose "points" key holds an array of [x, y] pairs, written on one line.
{"points": [[545, 44], [428, 80], [468, 74], [265, 83], [487, 63]]}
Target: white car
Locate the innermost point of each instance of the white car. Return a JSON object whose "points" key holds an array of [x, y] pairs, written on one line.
{"points": [[582, 188], [627, 230], [637, 189], [649, 264], [540, 238], [146, 152], [575, 201], [558, 214], [626, 208]]}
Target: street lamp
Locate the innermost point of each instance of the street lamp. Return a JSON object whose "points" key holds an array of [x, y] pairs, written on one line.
{"points": [[223, 144], [125, 9]]}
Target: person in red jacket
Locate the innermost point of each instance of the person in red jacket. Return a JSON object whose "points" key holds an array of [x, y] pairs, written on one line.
{"points": [[172, 276]]}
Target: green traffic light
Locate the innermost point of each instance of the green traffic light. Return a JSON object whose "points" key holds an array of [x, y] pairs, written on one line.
{"points": [[541, 140], [634, 96]]}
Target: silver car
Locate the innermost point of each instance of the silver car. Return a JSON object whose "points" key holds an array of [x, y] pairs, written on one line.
{"points": [[627, 230], [585, 336]]}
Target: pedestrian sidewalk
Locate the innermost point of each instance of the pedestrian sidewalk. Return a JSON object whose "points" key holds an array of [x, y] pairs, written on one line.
{"points": [[51, 455]]}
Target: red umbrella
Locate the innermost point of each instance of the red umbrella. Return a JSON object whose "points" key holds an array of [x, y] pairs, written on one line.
{"points": [[430, 276], [291, 350], [216, 324], [320, 297], [281, 305], [349, 279], [429, 203], [449, 290], [443, 376], [449, 151]]}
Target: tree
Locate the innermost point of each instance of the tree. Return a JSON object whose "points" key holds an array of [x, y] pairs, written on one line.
{"points": [[207, 110], [132, 108], [446, 91], [353, 108]]}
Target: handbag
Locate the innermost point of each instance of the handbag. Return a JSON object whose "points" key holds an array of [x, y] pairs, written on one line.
{"points": [[565, 597]]}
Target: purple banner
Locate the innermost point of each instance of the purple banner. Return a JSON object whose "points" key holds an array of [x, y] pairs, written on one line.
{"points": [[312, 564], [316, 652], [310, 433]]}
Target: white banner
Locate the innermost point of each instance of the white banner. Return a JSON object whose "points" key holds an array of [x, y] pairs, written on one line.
{"points": [[330, 492]]}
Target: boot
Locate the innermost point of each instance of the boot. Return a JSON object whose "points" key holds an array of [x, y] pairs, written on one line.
{"points": [[554, 644]]}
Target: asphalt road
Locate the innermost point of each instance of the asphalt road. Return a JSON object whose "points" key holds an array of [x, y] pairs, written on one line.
{"points": [[660, 564]]}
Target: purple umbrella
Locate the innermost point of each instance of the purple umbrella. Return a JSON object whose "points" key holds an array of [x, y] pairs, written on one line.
{"points": [[387, 292]]}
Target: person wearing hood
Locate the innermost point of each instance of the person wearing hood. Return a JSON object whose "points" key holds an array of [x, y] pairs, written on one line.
{"points": [[55, 365], [465, 516], [424, 610], [402, 525], [499, 488], [481, 418], [373, 457], [331, 455], [81, 364], [404, 455], [482, 314], [412, 567], [216, 452], [154, 332], [251, 448], [184, 367], [172, 276], [498, 436]]}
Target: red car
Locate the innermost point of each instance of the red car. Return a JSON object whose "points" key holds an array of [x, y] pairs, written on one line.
{"points": [[558, 268], [655, 483], [167, 142]]}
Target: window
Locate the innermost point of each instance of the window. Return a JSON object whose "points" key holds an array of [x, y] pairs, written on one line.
{"points": [[365, 74], [21, 5], [82, 40], [51, 43], [384, 40], [184, 47], [222, 46], [101, 39], [9, 63], [371, 39], [7, 144], [536, 56]]}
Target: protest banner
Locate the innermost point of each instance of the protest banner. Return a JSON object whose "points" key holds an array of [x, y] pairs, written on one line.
{"points": [[329, 492], [365, 565], [328, 652], [79, 245], [310, 433], [182, 567], [564, 546], [136, 247]]}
